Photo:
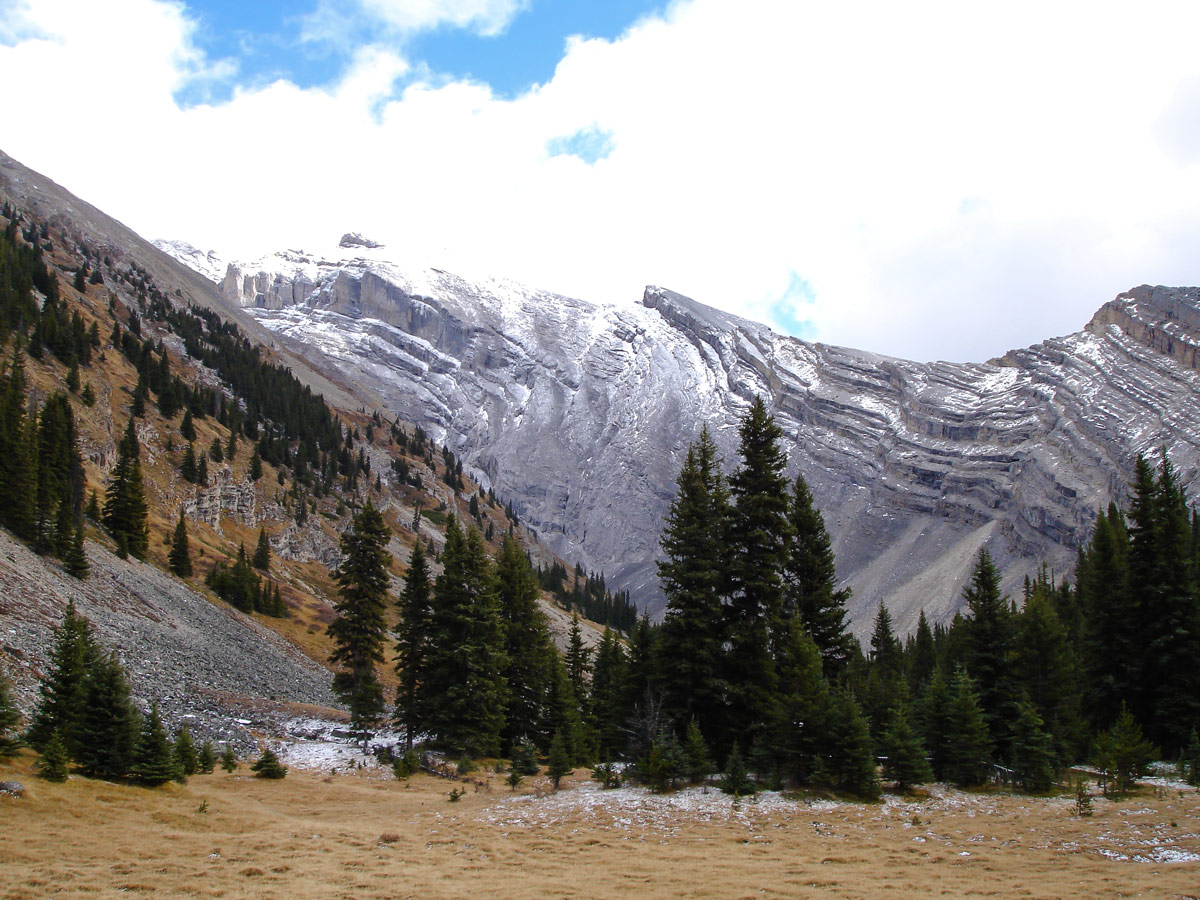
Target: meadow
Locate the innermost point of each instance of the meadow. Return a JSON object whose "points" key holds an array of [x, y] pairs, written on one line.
{"points": [[365, 835]]}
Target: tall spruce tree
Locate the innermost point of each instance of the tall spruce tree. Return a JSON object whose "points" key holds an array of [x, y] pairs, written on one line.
{"points": [[467, 690], [609, 712], [413, 635], [262, 552], [1112, 651], [154, 761], [810, 581], [758, 536], [125, 509], [180, 557], [693, 575], [968, 744], [360, 627], [108, 729], [990, 648], [527, 668], [63, 690]]}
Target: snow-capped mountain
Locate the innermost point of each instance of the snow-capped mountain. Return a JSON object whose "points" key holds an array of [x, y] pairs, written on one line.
{"points": [[581, 414]]}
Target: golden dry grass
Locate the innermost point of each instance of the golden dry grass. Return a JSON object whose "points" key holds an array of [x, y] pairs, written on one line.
{"points": [[359, 837]]}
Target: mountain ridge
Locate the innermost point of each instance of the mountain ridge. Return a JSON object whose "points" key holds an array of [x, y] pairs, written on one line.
{"points": [[581, 414]]}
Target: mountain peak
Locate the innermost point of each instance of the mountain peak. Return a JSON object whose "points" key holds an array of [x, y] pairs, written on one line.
{"points": [[354, 239]]}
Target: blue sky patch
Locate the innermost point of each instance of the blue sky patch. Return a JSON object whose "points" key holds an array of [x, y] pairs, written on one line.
{"points": [[588, 144], [273, 39], [785, 311]]}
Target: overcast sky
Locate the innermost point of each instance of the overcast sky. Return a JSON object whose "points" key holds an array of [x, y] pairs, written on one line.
{"points": [[928, 180]]}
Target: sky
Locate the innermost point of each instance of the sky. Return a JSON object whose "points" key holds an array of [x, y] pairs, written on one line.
{"points": [[931, 180]]}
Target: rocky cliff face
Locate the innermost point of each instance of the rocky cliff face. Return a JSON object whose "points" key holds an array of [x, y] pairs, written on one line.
{"points": [[581, 414]]}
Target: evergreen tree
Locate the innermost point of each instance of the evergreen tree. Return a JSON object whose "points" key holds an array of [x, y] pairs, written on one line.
{"points": [[528, 652], [202, 471], [359, 629], [55, 762], [905, 755], [1123, 754], [229, 760], [108, 729], [693, 577], [467, 690], [154, 760], [758, 537], [810, 581], [187, 468], [269, 766], [262, 552], [215, 453], [206, 760], [1189, 762], [737, 780], [125, 509], [558, 763], [695, 750], [185, 752], [1048, 672], [255, 470], [923, 656], [10, 718], [852, 761], [180, 558], [1032, 759], [968, 750], [187, 428], [76, 561], [990, 640], [63, 691], [936, 717], [608, 694]]}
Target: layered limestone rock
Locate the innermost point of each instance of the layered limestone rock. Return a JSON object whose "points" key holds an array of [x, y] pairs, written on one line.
{"points": [[581, 414]]}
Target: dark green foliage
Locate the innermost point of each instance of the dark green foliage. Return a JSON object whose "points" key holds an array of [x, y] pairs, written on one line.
{"points": [[991, 650], [665, 767], [187, 468], [125, 509], [1032, 754], [63, 691], [187, 429], [88, 396], [10, 718], [76, 560], [215, 453], [180, 557], [108, 729], [524, 760], [737, 780], [852, 759], [202, 471], [464, 672], [1189, 762], [413, 634], [18, 462], [185, 752], [262, 552], [935, 713], [237, 584], [206, 760], [269, 766], [55, 762], [558, 763], [528, 653], [810, 581], [608, 695], [1123, 754], [758, 538], [968, 746], [154, 761], [406, 764], [256, 469], [699, 763], [608, 774], [229, 761], [692, 575], [905, 754], [358, 631]]}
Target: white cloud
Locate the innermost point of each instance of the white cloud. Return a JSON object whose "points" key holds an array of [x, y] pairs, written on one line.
{"points": [[947, 181], [487, 17]]}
